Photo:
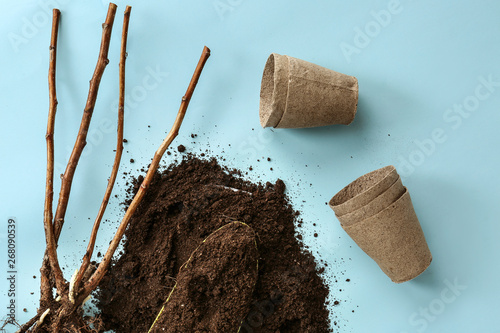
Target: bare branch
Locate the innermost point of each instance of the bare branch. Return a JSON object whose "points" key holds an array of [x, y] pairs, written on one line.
{"points": [[118, 155], [30, 323], [67, 177], [49, 192], [94, 280]]}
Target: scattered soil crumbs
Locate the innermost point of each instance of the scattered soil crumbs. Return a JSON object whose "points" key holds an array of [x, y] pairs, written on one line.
{"points": [[184, 205]]}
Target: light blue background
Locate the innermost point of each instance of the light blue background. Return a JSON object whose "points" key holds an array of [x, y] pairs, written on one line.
{"points": [[412, 66]]}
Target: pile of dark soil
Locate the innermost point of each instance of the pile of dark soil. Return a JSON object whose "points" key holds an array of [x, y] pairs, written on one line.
{"points": [[185, 204]]}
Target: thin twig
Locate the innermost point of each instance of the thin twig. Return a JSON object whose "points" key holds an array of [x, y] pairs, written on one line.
{"points": [[67, 177], [94, 280], [118, 155], [30, 323], [49, 193], [45, 283]]}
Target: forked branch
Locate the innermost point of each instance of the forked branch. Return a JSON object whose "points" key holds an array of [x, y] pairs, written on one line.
{"points": [[67, 177], [118, 155], [94, 280]]}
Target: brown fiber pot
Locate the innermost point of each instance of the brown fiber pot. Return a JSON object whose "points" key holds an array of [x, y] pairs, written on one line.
{"points": [[375, 206], [296, 93], [394, 239], [363, 190]]}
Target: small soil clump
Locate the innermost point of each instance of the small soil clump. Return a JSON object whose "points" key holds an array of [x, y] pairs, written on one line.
{"points": [[214, 287], [183, 206]]}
